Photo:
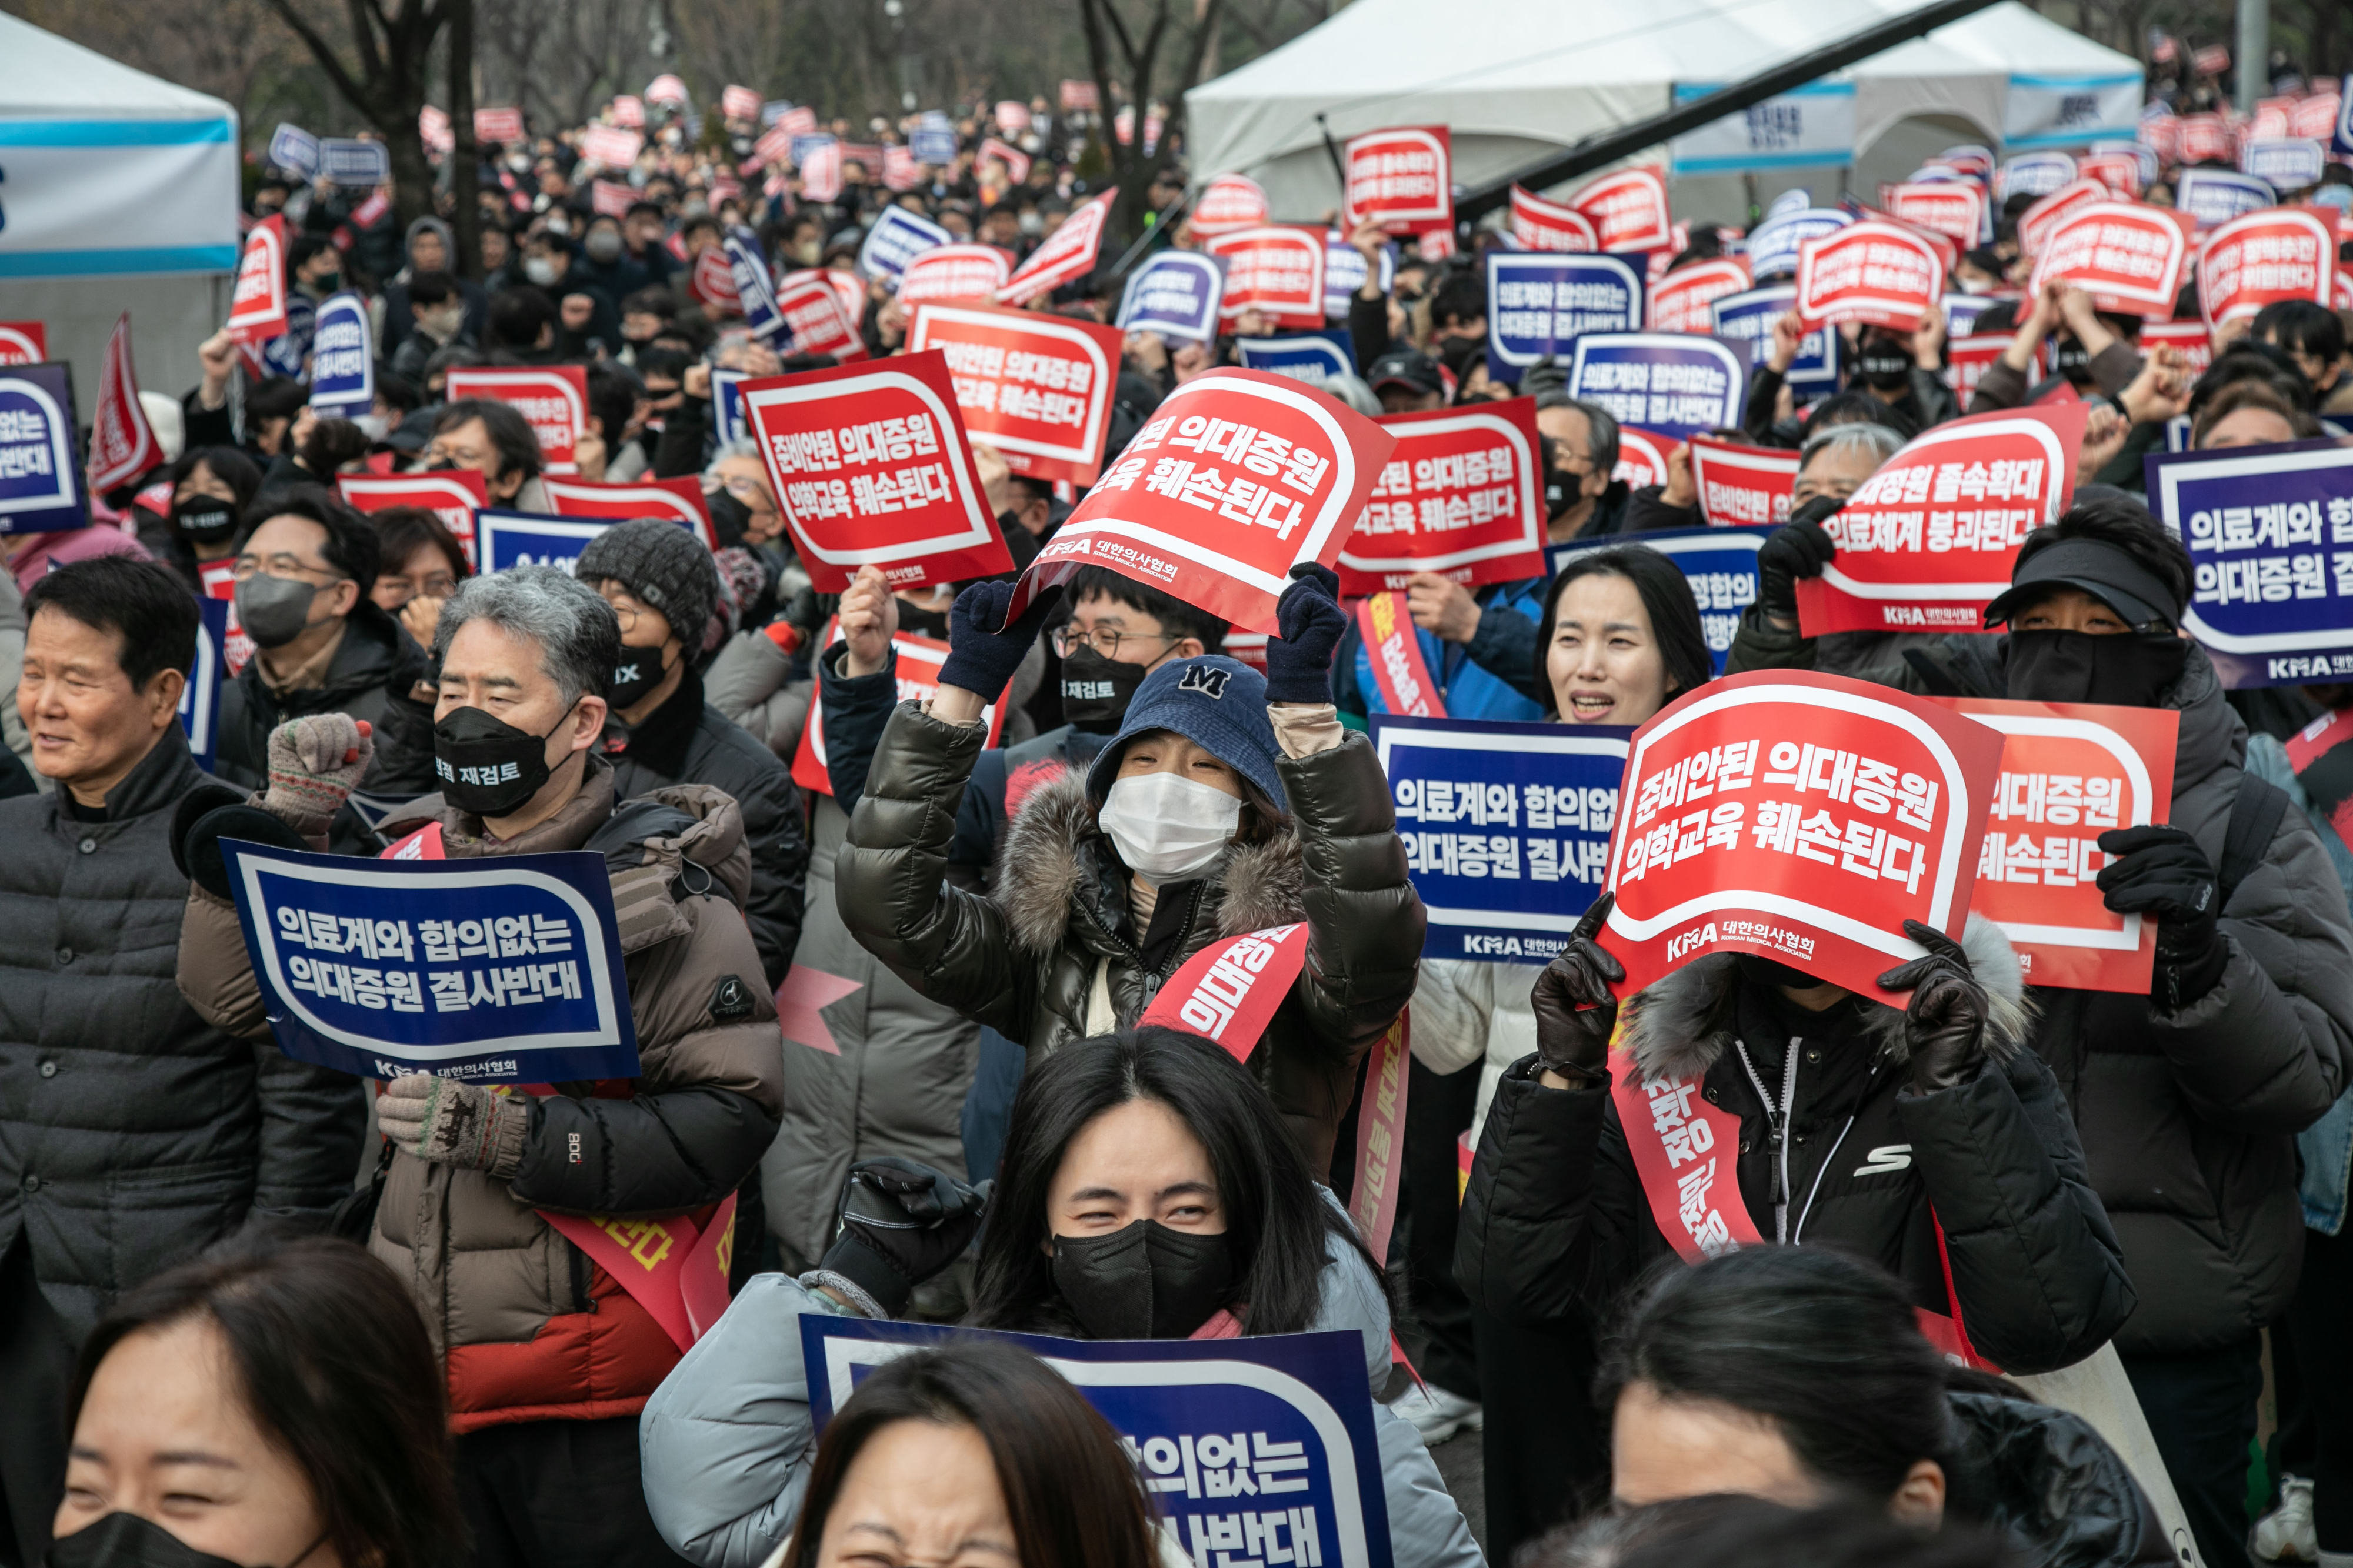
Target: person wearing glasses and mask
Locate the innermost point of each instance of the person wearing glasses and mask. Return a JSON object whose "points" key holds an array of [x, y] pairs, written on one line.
{"points": [[305, 577]]}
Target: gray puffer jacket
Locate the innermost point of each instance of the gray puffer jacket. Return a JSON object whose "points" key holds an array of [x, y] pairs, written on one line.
{"points": [[726, 1441]]}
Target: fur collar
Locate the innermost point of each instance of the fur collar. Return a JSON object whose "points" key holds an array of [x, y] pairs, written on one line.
{"points": [[1053, 853], [1681, 1024]]}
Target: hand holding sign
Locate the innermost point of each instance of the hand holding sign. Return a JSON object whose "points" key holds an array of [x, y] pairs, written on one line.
{"points": [[1299, 658], [1575, 1011], [2164, 873], [454, 1123], [1944, 1023], [984, 647]]}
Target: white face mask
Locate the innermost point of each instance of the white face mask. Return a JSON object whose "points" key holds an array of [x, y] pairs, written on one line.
{"points": [[1168, 828], [539, 270]]}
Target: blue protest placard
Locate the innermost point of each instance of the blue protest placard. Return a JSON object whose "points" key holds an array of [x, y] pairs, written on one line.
{"points": [[1796, 199], [1505, 827], [805, 145], [2270, 530], [1962, 310], [2215, 196], [41, 484], [348, 161], [294, 150], [1671, 383], [727, 405], [1773, 248], [1174, 294], [2285, 163], [933, 140], [1720, 563], [1748, 318], [1541, 303], [200, 698], [2343, 141], [505, 538], [1259, 1449], [342, 358], [755, 289], [1310, 357], [504, 970], [898, 238], [2034, 173], [1344, 271]]}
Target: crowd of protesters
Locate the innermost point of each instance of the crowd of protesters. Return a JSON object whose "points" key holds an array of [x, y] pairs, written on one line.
{"points": [[257, 1311]]}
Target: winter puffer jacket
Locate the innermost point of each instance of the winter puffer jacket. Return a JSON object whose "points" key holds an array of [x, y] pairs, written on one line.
{"points": [[1835, 1147], [1027, 960], [727, 1444], [2046, 1482], [132, 1132], [530, 1329], [687, 740], [2189, 1116]]}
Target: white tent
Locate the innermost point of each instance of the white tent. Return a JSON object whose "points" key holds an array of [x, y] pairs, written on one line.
{"points": [[1520, 79], [112, 175]]}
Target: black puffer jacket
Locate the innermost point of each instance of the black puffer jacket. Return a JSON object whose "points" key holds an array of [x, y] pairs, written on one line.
{"points": [[2048, 1484], [1842, 1152], [132, 1133], [1025, 961], [2189, 1116], [687, 740]]}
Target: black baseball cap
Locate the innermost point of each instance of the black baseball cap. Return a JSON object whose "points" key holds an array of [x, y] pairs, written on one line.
{"points": [[1409, 368], [2098, 568]]}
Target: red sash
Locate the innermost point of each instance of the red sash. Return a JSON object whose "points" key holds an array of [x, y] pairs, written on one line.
{"points": [[1394, 650], [424, 844], [1686, 1153]]}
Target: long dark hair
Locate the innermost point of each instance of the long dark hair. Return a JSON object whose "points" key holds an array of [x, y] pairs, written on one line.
{"points": [[1823, 1345], [1277, 1221], [337, 1372], [1667, 599], [1073, 1497]]}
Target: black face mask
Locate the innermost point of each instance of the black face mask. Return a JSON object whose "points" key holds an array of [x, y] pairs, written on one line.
{"points": [[1759, 970], [729, 518], [2130, 669], [922, 622], [640, 670], [1143, 1282], [1097, 691], [127, 1540], [2074, 363], [486, 765], [1883, 365], [208, 520]]}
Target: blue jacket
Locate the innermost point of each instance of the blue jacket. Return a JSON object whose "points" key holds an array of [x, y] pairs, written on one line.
{"points": [[1490, 677]]}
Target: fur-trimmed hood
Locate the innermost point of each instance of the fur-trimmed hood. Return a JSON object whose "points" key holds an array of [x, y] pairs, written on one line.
{"points": [[1681, 1024], [1054, 855]]}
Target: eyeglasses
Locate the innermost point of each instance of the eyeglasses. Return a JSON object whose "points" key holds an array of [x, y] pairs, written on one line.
{"points": [[1102, 639], [248, 566]]}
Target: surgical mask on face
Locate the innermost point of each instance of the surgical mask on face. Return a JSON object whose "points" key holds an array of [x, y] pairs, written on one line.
{"points": [[604, 245], [557, 224], [487, 766], [274, 611], [1168, 828], [539, 270], [374, 427], [127, 1540], [1097, 691], [444, 323], [208, 520], [1033, 224], [1145, 1281], [2127, 669], [519, 161]]}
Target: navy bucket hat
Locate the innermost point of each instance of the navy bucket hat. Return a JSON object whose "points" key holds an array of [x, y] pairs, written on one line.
{"points": [[1216, 702]]}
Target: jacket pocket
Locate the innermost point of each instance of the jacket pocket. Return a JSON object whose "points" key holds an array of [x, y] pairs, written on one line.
{"points": [[157, 1217]]}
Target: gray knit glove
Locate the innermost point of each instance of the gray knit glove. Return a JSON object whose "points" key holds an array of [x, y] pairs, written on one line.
{"points": [[314, 763], [454, 1123]]}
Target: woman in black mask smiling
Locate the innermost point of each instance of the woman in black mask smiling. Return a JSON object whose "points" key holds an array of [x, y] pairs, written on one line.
{"points": [[1150, 1191], [2188, 1098], [211, 488]]}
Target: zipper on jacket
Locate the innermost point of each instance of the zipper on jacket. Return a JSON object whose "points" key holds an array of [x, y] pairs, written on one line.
{"points": [[1777, 1125]]}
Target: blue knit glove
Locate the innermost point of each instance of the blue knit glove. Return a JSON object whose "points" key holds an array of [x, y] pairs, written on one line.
{"points": [[983, 651], [1311, 623]]}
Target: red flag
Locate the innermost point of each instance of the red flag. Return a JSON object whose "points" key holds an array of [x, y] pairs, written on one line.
{"points": [[121, 447], [1068, 254], [256, 310], [1036, 387]]}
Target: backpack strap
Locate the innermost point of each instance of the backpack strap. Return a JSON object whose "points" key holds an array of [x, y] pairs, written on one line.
{"points": [[2254, 818]]}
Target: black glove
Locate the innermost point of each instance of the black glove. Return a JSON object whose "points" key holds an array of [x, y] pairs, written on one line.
{"points": [[901, 1223], [1575, 1013], [1310, 625], [2165, 873], [1798, 548], [983, 651], [1944, 1025]]}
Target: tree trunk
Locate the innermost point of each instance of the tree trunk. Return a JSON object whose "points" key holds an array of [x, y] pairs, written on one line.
{"points": [[466, 158]]}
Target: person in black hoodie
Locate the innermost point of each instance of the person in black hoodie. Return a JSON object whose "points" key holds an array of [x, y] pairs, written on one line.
{"points": [[304, 570]]}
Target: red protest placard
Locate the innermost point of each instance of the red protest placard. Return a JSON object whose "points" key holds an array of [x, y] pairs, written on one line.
{"points": [[1277, 271], [870, 467], [1968, 359], [2070, 772], [2191, 338], [1460, 495], [1402, 178], [2120, 171], [2127, 256], [2205, 138], [813, 313], [1955, 208], [2037, 223], [2281, 252], [257, 309], [24, 343], [738, 103], [1016, 162], [1680, 301], [611, 145], [1229, 203], [1879, 273], [453, 495], [1642, 457], [1239, 476], [955, 272], [554, 397], [611, 198], [121, 445], [713, 282], [1627, 207], [917, 677], [2315, 117], [1540, 224], [1068, 254], [1800, 817], [678, 499], [1926, 543], [496, 126], [1079, 93], [1742, 484], [1036, 387]]}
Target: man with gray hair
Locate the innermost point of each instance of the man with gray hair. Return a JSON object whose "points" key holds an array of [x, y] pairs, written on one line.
{"points": [[549, 1357], [1583, 496]]}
